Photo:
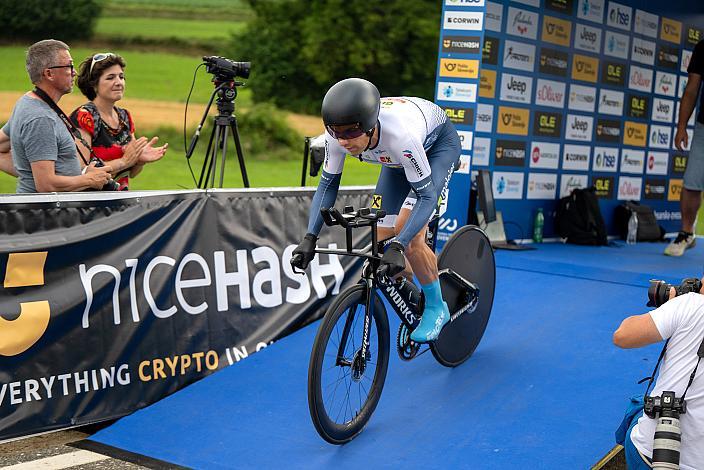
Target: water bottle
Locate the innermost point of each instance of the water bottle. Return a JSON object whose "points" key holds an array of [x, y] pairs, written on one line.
{"points": [[538, 226], [632, 235]]}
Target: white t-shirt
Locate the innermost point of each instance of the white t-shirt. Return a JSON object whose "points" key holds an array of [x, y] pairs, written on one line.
{"points": [[682, 320]]}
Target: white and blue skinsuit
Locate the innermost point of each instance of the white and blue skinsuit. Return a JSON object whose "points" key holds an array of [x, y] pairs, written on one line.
{"points": [[418, 148]]}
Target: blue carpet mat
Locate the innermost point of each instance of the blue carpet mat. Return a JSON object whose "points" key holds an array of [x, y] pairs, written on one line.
{"points": [[545, 389]]}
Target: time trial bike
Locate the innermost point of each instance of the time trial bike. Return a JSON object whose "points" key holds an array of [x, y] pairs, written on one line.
{"points": [[350, 355]]}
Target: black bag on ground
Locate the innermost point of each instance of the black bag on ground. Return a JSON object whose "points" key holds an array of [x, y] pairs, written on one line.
{"points": [[578, 218], [648, 228]]}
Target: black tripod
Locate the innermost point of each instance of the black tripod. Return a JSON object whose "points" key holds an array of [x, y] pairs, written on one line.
{"points": [[226, 92]]}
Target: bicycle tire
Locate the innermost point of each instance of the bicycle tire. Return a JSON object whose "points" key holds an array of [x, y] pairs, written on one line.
{"points": [[327, 426], [468, 252]]}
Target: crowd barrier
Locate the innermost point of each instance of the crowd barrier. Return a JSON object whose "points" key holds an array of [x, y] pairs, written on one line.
{"points": [[113, 301]]}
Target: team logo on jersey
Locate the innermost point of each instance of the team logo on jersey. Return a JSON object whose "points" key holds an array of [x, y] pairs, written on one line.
{"points": [[376, 201]]}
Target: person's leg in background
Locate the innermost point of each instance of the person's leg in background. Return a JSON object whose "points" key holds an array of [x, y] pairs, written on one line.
{"points": [[691, 195]]}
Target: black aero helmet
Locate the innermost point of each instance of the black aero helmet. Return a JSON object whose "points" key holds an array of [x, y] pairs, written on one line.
{"points": [[352, 101]]}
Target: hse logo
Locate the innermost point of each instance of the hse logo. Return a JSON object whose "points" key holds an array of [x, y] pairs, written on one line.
{"points": [[19, 334]]}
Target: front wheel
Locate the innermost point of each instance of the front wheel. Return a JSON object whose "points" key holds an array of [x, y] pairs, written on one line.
{"points": [[468, 252], [343, 388]]}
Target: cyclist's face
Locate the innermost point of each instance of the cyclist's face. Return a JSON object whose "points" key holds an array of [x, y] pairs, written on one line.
{"points": [[354, 145]]}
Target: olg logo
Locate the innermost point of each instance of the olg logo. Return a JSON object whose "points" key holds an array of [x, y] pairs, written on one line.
{"points": [[20, 333]]}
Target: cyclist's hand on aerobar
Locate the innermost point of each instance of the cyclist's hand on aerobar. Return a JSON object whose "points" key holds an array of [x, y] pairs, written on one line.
{"points": [[304, 252], [393, 261]]}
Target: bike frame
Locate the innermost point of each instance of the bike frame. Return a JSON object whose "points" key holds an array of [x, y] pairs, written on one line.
{"points": [[350, 220]]}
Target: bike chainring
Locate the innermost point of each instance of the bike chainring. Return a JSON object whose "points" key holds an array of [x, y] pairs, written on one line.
{"points": [[407, 348]]}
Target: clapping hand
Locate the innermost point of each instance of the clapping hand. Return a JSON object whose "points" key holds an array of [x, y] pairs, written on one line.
{"points": [[151, 153]]}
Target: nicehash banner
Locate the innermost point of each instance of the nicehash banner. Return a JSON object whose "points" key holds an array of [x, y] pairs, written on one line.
{"points": [[110, 302]]}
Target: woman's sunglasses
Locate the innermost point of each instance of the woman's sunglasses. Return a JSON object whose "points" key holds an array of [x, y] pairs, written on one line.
{"points": [[98, 58], [346, 134]]}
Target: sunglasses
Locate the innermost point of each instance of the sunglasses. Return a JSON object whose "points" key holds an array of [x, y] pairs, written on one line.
{"points": [[346, 134], [98, 58], [62, 67]]}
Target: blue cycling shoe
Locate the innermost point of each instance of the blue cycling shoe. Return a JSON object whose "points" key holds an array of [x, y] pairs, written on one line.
{"points": [[431, 323]]}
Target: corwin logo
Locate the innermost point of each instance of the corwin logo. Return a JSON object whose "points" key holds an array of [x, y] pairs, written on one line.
{"points": [[535, 155], [21, 332]]}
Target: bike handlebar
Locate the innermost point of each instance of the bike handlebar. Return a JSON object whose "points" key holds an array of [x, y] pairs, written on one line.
{"points": [[348, 218]]}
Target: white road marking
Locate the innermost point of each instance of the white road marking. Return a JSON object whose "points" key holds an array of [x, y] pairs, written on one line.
{"points": [[57, 462]]}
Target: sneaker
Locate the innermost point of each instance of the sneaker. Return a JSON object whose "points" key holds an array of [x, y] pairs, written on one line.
{"points": [[683, 241], [431, 324]]}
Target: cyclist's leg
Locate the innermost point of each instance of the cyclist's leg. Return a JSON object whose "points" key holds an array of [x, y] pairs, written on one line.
{"points": [[391, 189], [443, 157]]}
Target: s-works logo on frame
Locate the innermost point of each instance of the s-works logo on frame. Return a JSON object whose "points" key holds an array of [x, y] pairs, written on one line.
{"points": [[19, 332]]}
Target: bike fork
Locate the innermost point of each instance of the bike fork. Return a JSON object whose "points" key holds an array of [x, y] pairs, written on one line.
{"points": [[369, 311]]}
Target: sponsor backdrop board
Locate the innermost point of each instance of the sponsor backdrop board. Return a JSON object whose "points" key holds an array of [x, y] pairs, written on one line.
{"points": [[573, 93], [111, 303], [457, 89]]}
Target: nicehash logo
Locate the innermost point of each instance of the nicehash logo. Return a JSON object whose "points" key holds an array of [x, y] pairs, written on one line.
{"points": [[19, 334]]}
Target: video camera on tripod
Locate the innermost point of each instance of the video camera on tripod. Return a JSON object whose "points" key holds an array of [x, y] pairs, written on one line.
{"points": [[225, 71]]}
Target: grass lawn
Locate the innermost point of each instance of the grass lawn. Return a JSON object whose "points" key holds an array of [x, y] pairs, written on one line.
{"points": [[111, 26], [153, 76], [172, 173]]}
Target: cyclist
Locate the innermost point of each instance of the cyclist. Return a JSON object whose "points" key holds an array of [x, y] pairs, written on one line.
{"points": [[418, 148]]}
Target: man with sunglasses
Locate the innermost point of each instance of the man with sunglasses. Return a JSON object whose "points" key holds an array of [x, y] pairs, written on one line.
{"points": [[418, 148], [43, 149]]}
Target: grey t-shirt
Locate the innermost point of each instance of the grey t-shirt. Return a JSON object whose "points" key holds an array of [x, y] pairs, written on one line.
{"points": [[37, 133]]}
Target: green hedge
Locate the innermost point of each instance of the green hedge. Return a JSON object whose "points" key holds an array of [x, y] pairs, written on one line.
{"points": [[48, 19]]}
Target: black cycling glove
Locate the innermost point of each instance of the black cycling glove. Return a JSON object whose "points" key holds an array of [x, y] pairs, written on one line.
{"points": [[393, 261], [304, 252]]}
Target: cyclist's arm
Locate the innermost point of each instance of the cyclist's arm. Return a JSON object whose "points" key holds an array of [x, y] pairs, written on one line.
{"points": [[329, 184], [417, 169]]}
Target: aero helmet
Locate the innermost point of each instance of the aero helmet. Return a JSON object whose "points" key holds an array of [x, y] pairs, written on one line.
{"points": [[352, 101]]}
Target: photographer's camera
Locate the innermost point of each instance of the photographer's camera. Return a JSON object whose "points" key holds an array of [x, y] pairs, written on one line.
{"points": [[666, 410], [659, 291]]}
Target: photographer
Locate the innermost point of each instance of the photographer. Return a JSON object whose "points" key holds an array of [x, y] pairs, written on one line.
{"points": [[680, 320]]}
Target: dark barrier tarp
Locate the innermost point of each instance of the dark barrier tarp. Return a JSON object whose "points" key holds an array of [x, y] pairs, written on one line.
{"points": [[109, 305]]}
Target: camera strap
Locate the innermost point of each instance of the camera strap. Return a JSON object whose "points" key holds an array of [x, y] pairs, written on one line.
{"points": [[67, 122], [700, 355]]}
